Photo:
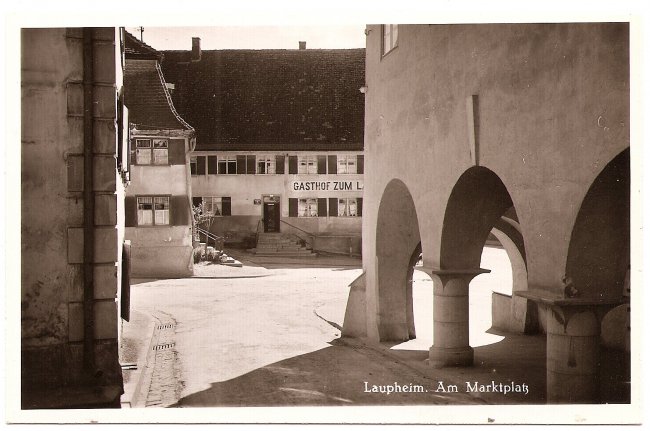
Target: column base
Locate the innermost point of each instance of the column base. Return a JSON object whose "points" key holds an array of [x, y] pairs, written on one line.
{"points": [[572, 389], [440, 357]]}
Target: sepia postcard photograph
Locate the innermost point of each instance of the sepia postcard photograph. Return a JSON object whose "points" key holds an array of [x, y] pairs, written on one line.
{"points": [[259, 218]]}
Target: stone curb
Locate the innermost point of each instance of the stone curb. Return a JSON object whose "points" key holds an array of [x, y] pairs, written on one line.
{"points": [[133, 399]]}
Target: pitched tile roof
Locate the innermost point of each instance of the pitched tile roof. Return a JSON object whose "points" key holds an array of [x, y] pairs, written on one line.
{"points": [[150, 105], [271, 99], [133, 48], [145, 93]]}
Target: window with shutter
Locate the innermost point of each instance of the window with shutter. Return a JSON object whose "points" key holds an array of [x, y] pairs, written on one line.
{"points": [[130, 211], [152, 210], [177, 154], [180, 211], [293, 207], [322, 207], [212, 165], [200, 165], [293, 164], [333, 207], [226, 206], [241, 164], [322, 165], [279, 164], [132, 152], [250, 164], [331, 164]]}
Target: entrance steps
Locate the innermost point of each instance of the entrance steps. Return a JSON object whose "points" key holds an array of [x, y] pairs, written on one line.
{"points": [[280, 245]]}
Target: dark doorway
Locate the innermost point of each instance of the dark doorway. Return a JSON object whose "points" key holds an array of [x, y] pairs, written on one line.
{"points": [[271, 213]]}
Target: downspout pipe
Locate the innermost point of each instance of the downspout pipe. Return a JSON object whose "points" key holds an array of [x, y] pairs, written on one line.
{"points": [[188, 181], [89, 203]]}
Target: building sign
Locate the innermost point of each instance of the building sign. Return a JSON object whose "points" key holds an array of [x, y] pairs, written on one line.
{"points": [[257, 201], [328, 186]]}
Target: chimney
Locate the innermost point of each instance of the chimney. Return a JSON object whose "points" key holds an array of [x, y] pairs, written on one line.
{"points": [[302, 44], [196, 49]]}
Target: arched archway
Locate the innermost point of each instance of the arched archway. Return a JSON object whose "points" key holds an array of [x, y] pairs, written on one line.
{"points": [[477, 202], [599, 250], [513, 313], [478, 205], [596, 270], [398, 237]]}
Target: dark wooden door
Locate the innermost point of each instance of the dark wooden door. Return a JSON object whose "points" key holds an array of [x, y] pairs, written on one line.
{"points": [[271, 216]]}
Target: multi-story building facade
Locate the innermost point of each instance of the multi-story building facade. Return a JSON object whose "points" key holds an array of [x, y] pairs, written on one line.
{"points": [[158, 214], [74, 167], [279, 140], [522, 131]]}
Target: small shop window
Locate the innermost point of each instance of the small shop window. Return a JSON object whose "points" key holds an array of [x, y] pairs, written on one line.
{"points": [[266, 164], [227, 165], [347, 164], [152, 151], [153, 210]]}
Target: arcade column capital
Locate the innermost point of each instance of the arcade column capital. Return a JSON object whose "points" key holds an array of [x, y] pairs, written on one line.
{"points": [[449, 274], [453, 282]]}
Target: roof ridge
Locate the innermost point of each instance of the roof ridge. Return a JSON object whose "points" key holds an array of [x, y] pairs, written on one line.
{"points": [[142, 45], [169, 99]]}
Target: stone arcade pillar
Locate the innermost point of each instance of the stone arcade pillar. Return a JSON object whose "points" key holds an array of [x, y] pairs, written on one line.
{"points": [[451, 317], [572, 347], [572, 355]]}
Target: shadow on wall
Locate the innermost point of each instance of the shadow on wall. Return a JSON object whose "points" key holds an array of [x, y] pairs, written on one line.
{"points": [[599, 251]]}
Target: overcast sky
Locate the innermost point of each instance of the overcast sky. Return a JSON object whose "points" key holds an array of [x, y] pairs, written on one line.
{"points": [[253, 37]]}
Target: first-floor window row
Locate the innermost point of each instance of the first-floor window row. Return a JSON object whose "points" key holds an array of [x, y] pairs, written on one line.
{"points": [[308, 164], [323, 207]]}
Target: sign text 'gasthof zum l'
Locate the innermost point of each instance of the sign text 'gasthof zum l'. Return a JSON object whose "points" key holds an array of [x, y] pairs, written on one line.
{"points": [[328, 186]]}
